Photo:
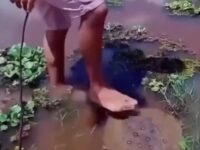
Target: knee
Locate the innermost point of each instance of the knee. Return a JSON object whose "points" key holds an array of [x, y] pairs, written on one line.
{"points": [[97, 17]]}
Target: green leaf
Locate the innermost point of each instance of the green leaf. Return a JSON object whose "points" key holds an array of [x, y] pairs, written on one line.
{"points": [[30, 105], [155, 89], [152, 84], [29, 116], [29, 65], [32, 60], [183, 144], [2, 60], [14, 51], [3, 127], [3, 117], [16, 109], [13, 124]]}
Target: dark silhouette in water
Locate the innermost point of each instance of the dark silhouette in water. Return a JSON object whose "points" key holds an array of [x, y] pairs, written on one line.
{"points": [[124, 70]]}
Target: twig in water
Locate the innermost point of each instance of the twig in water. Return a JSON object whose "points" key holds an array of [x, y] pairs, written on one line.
{"points": [[93, 129]]}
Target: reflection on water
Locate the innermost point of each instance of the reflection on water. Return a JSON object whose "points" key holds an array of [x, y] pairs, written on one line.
{"points": [[128, 82]]}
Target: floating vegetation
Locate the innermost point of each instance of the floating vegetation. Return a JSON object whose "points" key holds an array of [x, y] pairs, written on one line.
{"points": [[118, 33], [40, 98], [183, 7], [32, 60], [167, 46], [12, 117]]}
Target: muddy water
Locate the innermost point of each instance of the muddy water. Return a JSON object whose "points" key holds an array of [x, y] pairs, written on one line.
{"points": [[78, 134], [145, 12]]}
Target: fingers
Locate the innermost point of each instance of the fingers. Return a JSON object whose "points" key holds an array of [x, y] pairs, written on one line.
{"points": [[18, 3], [27, 5], [12, 1], [30, 5], [24, 4]]}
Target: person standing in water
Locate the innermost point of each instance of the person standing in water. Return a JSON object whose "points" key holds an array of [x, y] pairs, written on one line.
{"points": [[57, 15]]}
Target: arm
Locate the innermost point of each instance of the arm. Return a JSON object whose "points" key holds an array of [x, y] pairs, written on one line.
{"points": [[27, 5]]}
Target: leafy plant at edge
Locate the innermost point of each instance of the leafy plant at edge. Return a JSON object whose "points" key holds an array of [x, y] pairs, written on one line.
{"points": [[12, 117], [32, 60], [175, 83], [183, 7]]}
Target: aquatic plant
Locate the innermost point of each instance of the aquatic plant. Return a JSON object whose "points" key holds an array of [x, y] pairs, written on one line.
{"points": [[32, 60], [118, 33], [167, 45], [182, 7], [12, 117], [173, 84], [188, 143], [184, 144], [40, 98]]}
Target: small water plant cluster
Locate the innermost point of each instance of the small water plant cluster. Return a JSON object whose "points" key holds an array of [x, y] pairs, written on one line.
{"points": [[12, 117], [183, 7], [174, 87], [118, 33], [115, 34], [33, 63], [40, 98]]}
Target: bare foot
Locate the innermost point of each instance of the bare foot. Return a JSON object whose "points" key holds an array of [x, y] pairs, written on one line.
{"points": [[112, 100]]}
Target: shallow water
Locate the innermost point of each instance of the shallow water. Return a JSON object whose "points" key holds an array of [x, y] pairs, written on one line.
{"points": [[77, 133], [145, 12]]}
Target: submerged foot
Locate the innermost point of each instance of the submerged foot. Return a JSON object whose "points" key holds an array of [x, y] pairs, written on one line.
{"points": [[112, 100]]}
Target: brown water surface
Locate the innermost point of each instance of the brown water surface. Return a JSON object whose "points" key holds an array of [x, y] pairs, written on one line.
{"points": [[78, 133], [149, 13]]}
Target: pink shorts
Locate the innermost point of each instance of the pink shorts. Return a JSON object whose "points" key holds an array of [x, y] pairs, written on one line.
{"points": [[57, 14]]}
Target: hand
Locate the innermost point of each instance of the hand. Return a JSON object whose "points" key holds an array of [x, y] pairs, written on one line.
{"points": [[27, 5]]}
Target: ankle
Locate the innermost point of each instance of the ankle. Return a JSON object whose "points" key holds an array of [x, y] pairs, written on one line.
{"points": [[96, 86]]}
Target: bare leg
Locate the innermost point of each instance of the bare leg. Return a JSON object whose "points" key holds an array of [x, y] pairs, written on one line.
{"points": [[91, 31], [54, 42]]}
